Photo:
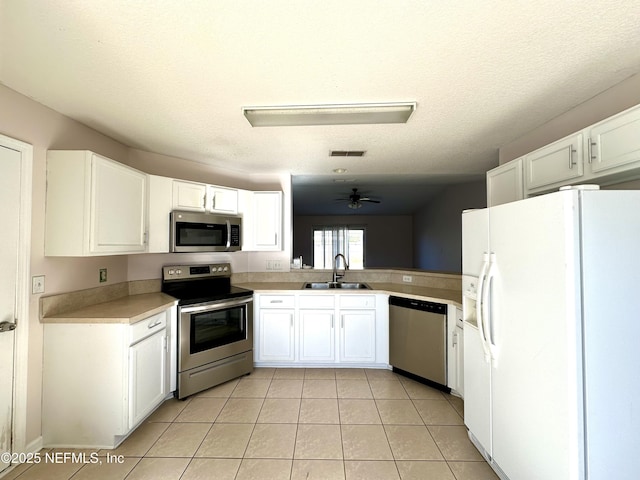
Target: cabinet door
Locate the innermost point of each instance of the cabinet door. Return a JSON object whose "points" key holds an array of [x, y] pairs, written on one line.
{"points": [[189, 196], [158, 214], [505, 183], [317, 337], [267, 220], [222, 200], [147, 376], [615, 142], [558, 163], [276, 336], [118, 207], [358, 336]]}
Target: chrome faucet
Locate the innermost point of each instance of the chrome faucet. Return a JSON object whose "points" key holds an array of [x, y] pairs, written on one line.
{"points": [[336, 275]]}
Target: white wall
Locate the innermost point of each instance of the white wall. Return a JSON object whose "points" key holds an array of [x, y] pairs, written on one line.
{"points": [[30, 122]]}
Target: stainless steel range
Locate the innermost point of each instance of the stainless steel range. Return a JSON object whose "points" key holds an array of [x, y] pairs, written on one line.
{"points": [[215, 326]]}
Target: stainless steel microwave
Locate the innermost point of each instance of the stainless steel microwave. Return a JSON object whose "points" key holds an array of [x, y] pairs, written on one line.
{"points": [[204, 232]]}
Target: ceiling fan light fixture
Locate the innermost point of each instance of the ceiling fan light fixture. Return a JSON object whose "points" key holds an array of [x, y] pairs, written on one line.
{"points": [[355, 205], [343, 114]]}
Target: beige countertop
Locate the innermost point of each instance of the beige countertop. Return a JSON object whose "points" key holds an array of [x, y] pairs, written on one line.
{"points": [[452, 297], [127, 309]]}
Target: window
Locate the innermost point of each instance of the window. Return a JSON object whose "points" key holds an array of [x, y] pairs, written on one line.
{"points": [[328, 241]]}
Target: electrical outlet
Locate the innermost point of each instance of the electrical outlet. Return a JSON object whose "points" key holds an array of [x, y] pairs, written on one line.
{"points": [[274, 264], [407, 278], [103, 275], [37, 284]]}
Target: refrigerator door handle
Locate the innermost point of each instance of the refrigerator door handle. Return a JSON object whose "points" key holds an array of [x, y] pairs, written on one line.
{"points": [[487, 317], [480, 301]]}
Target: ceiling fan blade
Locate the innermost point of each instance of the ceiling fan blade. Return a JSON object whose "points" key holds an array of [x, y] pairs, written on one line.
{"points": [[369, 200]]}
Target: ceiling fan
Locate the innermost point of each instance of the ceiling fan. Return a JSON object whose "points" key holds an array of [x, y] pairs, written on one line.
{"points": [[355, 199]]}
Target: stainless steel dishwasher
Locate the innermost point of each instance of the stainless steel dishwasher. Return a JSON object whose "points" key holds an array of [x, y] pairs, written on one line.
{"points": [[418, 339]]}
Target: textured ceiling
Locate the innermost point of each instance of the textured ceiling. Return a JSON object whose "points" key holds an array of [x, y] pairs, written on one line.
{"points": [[171, 77]]}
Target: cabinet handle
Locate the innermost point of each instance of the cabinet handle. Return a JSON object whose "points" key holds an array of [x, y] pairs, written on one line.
{"points": [[571, 162], [275, 301], [154, 324], [590, 147]]}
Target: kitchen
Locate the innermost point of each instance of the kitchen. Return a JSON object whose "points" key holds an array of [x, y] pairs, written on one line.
{"points": [[47, 129]]}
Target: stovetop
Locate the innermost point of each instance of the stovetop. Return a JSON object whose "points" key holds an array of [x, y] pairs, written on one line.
{"points": [[192, 284]]}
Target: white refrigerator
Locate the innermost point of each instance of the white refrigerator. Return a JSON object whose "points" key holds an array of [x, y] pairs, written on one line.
{"points": [[551, 307]]}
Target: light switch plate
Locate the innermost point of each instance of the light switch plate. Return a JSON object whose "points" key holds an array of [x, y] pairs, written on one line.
{"points": [[37, 284]]}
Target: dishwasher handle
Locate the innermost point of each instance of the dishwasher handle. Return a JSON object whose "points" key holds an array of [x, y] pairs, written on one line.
{"points": [[421, 305]]}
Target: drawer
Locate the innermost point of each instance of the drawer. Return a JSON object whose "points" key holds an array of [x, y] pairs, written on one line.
{"points": [[148, 326], [277, 301], [317, 301], [357, 301]]}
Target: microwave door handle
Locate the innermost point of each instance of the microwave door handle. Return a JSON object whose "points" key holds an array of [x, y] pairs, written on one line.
{"points": [[228, 234]]}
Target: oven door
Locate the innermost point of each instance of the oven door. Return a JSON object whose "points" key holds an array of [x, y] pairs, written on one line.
{"points": [[213, 331]]}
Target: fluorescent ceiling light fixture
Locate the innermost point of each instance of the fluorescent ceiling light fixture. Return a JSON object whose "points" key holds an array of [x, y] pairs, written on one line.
{"points": [[348, 114]]}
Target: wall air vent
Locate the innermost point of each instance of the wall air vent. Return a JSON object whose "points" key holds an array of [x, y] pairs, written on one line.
{"points": [[347, 153]]}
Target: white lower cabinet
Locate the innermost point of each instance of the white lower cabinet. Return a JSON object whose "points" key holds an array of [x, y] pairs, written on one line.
{"points": [[358, 336], [147, 376], [274, 338], [317, 336], [100, 380], [322, 329], [455, 350], [357, 328]]}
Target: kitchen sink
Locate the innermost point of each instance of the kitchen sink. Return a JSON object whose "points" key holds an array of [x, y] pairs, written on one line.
{"points": [[339, 285]]}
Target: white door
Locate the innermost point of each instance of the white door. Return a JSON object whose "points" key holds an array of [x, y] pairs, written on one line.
{"points": [[10, 165], [358, 336], [533, 329], [276, 336], [317, 337], [147, 376]]}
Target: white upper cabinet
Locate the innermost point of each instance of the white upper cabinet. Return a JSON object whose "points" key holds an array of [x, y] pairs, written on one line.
{"points": [[222, 200], [266, 220], [199, 197], [160, 205], [615, 142], [556, 164], [189, 196], [504, 183], [95, 206]]}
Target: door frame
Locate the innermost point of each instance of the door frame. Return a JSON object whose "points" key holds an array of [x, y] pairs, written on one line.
{"points": [[21, 350]]}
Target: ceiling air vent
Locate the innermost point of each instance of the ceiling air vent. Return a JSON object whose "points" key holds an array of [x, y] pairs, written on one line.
{"points": [[347, 153]]}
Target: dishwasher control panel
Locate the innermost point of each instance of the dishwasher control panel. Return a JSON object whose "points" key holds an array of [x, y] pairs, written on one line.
{"points": [[421, 305]]}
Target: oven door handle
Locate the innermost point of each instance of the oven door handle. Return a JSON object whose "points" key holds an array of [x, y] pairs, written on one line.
{"points": [[216, 306]]}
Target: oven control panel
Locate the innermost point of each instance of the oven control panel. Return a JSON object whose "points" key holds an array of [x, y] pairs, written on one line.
{"points": [[185, 272]]}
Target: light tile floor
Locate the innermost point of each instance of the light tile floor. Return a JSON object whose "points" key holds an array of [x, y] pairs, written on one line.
{"points": [[294, 424]]}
